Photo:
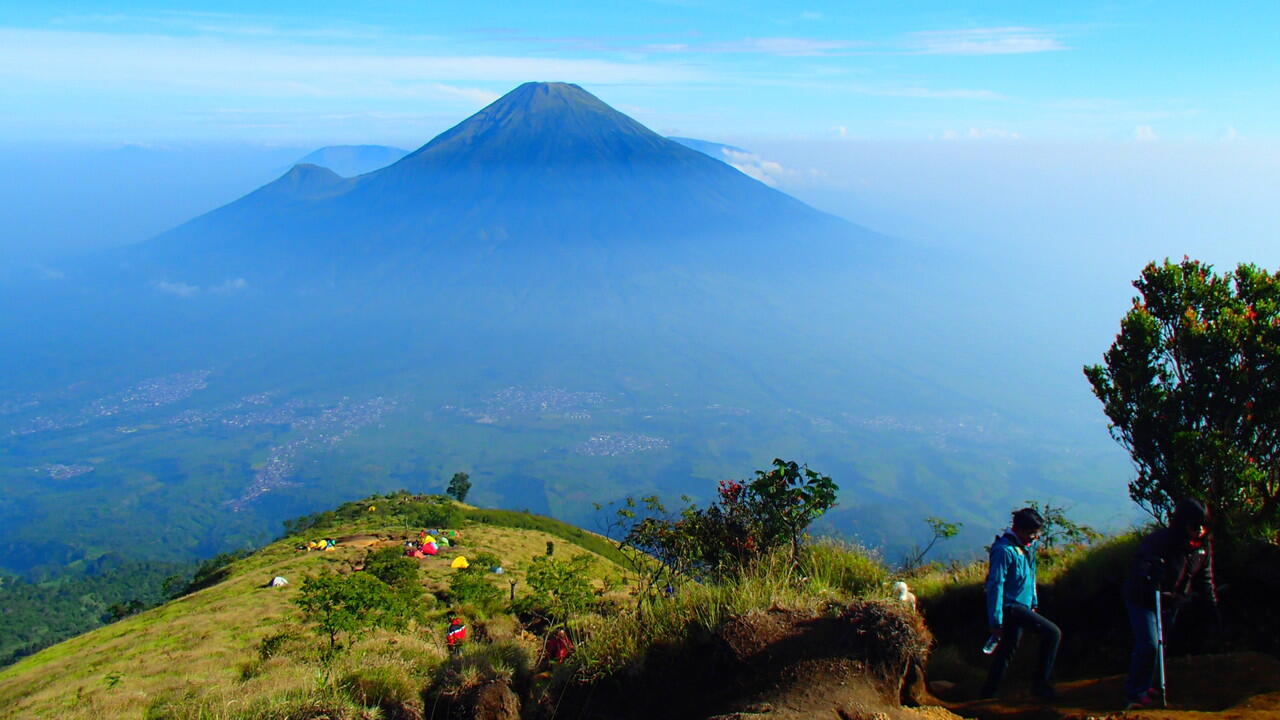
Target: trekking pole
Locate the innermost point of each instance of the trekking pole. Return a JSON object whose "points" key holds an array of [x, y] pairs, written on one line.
{"points": [[1164, 693]]}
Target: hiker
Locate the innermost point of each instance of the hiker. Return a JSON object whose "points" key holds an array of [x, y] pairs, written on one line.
{"points": [[1177, 562], [455, 635], [1012, 604], [559, 646]]}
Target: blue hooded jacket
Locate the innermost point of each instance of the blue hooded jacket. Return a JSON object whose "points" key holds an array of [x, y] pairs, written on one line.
{"points": [[1011, 577]]}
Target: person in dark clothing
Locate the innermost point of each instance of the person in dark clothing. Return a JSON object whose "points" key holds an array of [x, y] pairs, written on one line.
{"points": [[1177, 562], [1012, 604]]}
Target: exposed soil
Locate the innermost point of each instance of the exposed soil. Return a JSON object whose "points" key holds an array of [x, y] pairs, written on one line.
{"points": [[1237, 686], [844, 664]]}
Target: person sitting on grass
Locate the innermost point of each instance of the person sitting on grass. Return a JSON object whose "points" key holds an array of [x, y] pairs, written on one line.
{"points": [[1176, 562], [1012, 604]]}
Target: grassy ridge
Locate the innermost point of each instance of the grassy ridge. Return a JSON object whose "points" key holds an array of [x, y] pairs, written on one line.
{"points": [[214, 649], [528, 521]]}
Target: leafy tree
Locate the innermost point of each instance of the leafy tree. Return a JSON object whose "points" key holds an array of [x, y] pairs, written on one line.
{"points": [[459, 486], [351, 605], [560, 588], [1191, 386], [942, 530], [1060, 529]]}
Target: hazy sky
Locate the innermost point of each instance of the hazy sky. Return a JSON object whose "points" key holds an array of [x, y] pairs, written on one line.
{"points": [[397, 71]]}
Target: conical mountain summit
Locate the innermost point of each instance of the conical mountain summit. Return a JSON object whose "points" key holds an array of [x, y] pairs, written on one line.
{"points": [[545, 171]]}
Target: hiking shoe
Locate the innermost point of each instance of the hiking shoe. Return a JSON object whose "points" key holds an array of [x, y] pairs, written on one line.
{"points": [[1142, 702]]}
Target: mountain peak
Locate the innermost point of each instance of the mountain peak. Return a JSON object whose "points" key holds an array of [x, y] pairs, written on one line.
{"points": [[548, 123]]}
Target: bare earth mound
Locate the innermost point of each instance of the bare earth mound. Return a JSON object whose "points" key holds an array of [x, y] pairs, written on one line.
{"points": [[846, 663]]}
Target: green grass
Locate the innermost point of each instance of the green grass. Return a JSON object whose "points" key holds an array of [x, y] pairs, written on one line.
{"points": [[527, 521], [211, 654]]}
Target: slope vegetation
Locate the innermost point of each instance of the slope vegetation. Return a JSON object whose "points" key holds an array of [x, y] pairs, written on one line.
{"points": [[223, 638]]}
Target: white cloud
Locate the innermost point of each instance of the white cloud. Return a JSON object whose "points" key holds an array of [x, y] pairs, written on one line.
{"points": [[766, 171], [811, 15], [68, 60], [983, 41], [177, 288], [841, 131], [1145, 133]]}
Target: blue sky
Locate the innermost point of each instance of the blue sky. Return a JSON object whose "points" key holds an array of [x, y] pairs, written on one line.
{"points": [[398, 72]]}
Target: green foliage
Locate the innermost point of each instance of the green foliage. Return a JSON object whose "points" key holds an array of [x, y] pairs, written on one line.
{"points": [[1061, 530], [940, 530], [564, 531], [352, 605], [471, 586], [393, 508], [391, 567], [749, 520], [1191, 386], [459, 486], [558, 589], [432, 512], [37, 615]]}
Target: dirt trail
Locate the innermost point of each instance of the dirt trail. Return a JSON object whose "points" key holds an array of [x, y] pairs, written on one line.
{"points": [[1237, 686]]}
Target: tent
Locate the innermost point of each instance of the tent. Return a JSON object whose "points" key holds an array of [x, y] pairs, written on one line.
{"points": [[497, 570], [443, 541], [430, 548], [459, 563], [428, 539], [278, 581]]}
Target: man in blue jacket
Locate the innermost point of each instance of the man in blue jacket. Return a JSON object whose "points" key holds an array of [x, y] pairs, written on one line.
{"points": [[1012, 604]]}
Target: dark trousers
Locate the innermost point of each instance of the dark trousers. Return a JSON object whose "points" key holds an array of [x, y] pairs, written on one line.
{"points": [[1142, 665], [1018, 619]]}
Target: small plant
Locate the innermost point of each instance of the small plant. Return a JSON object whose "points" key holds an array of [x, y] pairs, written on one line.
{"points": [[1061, 530], [113, 679], [942, 530]]}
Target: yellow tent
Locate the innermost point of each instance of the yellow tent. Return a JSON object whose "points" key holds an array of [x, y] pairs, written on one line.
{"points": [[372, 508], [459, 562], [428, 539]]}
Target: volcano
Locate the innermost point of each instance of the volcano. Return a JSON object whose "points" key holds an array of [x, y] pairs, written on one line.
{"points": [[546, 178]]}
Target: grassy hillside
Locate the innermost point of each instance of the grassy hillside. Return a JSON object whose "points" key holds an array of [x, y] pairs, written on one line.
{"points": [[238, 639]]}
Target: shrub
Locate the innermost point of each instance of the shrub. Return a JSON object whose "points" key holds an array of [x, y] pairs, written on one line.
{"points": [[559, 589], [471, 586]]}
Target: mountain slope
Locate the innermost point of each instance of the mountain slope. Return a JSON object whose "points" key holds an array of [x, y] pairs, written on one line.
{"points": [[546, 174], [352, 160], [203, 640]]}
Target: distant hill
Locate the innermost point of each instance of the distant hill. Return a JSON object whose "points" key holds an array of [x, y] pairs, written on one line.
{"points": [[352, 160], [546, 179]]}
